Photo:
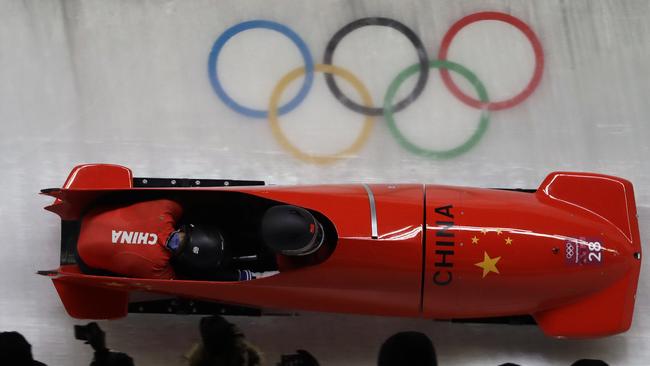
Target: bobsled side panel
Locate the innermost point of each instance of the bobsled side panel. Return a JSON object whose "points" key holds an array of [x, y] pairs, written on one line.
{"points": [[603, 313], [86, 301], [363, 275]]}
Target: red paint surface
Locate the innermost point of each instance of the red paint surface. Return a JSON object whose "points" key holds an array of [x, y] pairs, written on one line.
{"points": [[385, 276]]}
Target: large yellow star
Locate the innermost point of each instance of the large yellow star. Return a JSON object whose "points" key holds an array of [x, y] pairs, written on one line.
{"points": [[508, 241], [474, 240], [488, 264]]}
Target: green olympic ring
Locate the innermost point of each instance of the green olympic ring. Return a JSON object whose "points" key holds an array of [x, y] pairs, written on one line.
{"points": [[429, 153]]}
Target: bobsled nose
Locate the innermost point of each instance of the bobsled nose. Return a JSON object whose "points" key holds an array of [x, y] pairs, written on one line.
{"points": [[614, 282]]}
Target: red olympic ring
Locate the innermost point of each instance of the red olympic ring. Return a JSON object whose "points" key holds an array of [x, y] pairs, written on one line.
{"points": [[517, 23]]}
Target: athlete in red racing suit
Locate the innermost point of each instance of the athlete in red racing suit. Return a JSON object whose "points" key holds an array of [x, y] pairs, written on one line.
{"points": [[144, 240], [130, 240]]}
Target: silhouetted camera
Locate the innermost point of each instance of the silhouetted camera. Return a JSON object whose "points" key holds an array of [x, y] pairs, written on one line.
{"points": [[81, 332]]}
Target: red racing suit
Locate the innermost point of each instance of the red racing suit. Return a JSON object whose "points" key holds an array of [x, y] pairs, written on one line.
{"points": [[130, 240]]}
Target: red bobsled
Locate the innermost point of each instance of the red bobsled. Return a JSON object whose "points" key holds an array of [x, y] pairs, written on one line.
{"points": [[568, 253]]}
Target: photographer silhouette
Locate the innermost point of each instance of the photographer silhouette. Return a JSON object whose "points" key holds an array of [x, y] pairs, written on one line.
{"points": [[95, 336]]}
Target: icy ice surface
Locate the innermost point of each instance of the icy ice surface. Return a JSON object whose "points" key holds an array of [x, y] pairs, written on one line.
{"points": [[127, 83]]}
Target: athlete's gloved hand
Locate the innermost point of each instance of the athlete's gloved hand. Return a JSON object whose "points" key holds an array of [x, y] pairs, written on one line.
{"points": [[246, 275]]}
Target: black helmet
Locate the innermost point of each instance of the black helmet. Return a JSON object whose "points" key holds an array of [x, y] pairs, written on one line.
{"points": [[202, 253], [291, 230]]}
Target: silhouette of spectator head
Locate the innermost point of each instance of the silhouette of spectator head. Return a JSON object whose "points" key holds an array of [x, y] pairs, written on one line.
{"points": [[118, 359], [15, 350], [589, 362], [218, 334], [407, 348], [223, 344]]}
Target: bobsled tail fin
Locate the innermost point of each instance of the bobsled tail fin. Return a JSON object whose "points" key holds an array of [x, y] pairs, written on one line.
{"points": [[88, 302], [606, 312], [609, 197]]}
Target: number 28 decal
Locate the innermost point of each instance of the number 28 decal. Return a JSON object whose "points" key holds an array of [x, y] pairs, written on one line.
{"points": [[583, 252]]}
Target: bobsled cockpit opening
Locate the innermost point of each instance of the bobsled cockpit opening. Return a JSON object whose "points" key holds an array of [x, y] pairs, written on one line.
{"points": [[238, 216]]}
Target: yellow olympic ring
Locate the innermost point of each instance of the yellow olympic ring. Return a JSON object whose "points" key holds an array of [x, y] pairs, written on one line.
{"points": [[313, 158]]}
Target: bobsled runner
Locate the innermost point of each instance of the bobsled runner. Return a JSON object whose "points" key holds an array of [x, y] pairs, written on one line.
{"points": [[567, 253]]}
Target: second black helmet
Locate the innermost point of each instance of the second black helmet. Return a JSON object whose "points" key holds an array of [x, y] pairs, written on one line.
{"points": [[291, 230]]}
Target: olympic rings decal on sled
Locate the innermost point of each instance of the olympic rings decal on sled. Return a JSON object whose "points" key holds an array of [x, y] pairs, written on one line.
{"points": [[367, 108]]}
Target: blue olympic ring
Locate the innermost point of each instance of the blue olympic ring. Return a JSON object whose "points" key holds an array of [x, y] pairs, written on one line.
{"points": [[267, 24]]}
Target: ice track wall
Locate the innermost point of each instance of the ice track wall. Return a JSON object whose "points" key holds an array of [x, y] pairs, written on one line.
{"points": [[478, 93]]}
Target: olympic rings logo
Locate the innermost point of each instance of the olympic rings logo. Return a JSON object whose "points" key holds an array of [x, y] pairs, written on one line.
{"points": [[569, 250], [389, 106]]}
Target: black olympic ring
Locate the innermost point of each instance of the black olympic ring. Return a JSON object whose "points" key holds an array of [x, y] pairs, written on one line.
{"points": [[423, 62]]}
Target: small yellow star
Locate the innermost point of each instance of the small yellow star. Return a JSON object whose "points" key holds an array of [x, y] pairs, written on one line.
{"points": [[488, 264], [508, 241], [498, 231], [474, 240], [484, 231]]}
